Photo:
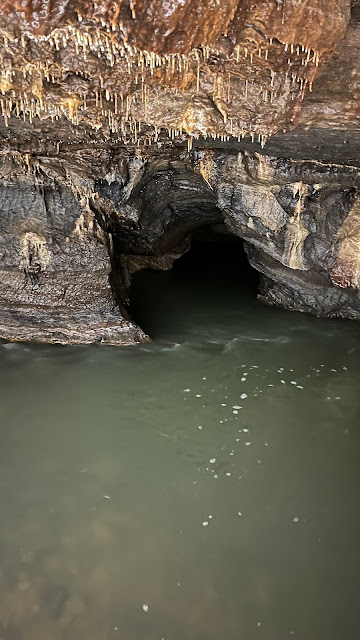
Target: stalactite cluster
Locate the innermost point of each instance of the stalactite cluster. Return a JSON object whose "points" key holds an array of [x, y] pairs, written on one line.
{"points": [[135, 69]]}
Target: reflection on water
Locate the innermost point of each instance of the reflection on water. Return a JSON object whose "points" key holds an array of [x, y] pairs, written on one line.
{"points": [[203, 486]]}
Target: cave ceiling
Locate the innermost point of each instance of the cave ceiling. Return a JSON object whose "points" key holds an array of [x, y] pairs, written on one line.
{"points": [[144, 72]]}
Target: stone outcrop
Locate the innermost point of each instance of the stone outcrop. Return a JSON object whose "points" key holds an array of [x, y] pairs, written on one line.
{"points": [[55, 267], [129, 125], [301, 229]]}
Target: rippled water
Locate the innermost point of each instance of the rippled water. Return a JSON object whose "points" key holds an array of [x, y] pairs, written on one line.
{"points": [[204, 486]]}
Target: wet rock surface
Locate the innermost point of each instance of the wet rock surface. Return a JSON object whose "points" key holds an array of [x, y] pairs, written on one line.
{"points": [[130, 69], [298, 221], [55, 268], [128, 126]]}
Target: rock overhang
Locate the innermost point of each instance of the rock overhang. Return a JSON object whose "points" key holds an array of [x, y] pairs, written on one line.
{"points": [[195, 68]]}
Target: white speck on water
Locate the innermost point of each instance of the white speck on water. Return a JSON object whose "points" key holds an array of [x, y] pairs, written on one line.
{"points": [[259, 624], [243, 379], [237, 439], [293, 382], [223, 405], [231, 453], [243, 396], [205, 523], [298, 386], [334, 370], [280, 370], [107, 497], [236, 406], [345, 368], [270, 385], [235, 411], [199, 427], [266, 444], [186, 390], [198, 395], [228, 473], [247, 444], [145, 608], [216, 475], [210, 516], [204, 378], [293, 369], [296, 519], [282, 381], [221, 421], [337, 398], [239, 513], [212, 460], [246, 430]]}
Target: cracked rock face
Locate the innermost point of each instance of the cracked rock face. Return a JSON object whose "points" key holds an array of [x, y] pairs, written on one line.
{"points": [[127, 125], [55, 266], [300, 223]]}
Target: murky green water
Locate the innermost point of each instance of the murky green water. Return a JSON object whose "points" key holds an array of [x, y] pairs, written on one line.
{"points": [[201, 487]]}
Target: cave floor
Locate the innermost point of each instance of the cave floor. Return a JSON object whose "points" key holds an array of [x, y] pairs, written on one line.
{"points": [[204, 485]]}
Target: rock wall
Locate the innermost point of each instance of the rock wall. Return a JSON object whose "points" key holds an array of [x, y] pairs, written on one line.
{"points": [[55, 267], [70, 243], [299, 221]]}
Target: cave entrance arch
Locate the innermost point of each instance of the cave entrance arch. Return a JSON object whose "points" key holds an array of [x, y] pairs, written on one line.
{"points": [[175, 249]]}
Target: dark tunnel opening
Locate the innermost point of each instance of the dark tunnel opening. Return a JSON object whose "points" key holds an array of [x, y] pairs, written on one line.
{"points": [[211, 284]]}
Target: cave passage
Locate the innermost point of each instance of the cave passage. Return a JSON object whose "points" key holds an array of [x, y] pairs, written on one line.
{"points": [[211, 286]]}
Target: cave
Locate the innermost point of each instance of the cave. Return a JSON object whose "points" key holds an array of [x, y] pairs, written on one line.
{"points": [[212, 279], [119, 137], [179, 319]]}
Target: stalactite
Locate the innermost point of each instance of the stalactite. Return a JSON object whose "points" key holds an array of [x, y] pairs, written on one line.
{"points": [[149, 70]]}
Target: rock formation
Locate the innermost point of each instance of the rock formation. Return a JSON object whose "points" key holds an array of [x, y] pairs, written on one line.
{"points": [[128, 124]]}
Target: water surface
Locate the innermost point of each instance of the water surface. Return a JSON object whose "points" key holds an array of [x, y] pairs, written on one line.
{"points": [[203, 486]]}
